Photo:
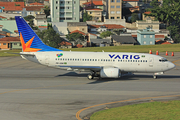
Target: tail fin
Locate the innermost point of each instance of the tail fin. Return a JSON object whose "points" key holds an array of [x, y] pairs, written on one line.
{"points": [[29, 39]]}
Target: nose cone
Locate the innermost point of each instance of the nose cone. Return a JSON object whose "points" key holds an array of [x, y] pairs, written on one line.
{"points": [[171, 65]]}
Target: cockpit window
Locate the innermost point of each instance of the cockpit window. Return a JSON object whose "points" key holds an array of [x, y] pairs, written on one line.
{"points": [[163, 60]]}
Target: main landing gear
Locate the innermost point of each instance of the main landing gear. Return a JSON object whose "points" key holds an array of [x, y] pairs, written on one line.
{"points": [[154, 76], [92, 75]]}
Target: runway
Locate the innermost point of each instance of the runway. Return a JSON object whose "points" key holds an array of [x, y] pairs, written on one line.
{"points": [[31, 91]]}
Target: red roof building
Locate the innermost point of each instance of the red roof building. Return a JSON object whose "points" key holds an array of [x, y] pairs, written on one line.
{"points": [[77, 31], [34, 8], [159, 36], [65, 43], [131, 0], [162, 42], [79, 46], [147, 12], [93, 9], [12, 6], [94, 3], [36, 4], [133, 9], [108, 26], [7, 43]]}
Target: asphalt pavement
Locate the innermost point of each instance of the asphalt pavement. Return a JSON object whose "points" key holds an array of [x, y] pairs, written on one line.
{"points": [[29, 91]]}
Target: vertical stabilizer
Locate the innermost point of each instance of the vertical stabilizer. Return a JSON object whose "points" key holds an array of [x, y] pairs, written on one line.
{"points": [[29, 39]]}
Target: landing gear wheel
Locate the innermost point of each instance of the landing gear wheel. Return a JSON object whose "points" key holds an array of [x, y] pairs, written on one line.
{"points": [[90, 77], [154, 76]]}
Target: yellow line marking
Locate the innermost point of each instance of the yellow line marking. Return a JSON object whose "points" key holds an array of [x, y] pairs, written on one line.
{"points": [[39, 88], [176, 61], [78, 113]]}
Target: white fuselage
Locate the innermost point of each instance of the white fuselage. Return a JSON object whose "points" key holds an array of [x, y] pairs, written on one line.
{"points": [[88, 61]]}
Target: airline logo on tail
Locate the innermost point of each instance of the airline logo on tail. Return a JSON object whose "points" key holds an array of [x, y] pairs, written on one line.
{"points": [[26, 46]]}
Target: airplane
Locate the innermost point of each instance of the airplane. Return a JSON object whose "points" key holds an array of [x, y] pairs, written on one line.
{"points": [[99, 64]]}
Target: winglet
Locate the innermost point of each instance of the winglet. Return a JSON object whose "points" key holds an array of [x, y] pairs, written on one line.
{"points": [[29, 39]]}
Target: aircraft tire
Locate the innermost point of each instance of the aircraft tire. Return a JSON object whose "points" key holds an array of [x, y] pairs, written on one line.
{"points": [[90, 77], [154, 76]]}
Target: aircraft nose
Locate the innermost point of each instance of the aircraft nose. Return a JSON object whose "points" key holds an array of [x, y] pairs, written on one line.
{"points": [[171, 65]]}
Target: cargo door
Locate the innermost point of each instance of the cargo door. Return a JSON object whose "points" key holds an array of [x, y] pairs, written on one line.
{"points": [[151, 62], [47, 59]]}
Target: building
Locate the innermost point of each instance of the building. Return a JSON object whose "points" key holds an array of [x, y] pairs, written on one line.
{"points": [[40, 20], [121, 40], [65, 44], [105, 27], [81, 26], [3, 18], [11, 7], [10, 43], [146, 37], [100, 42], [96, 13], [148, 23], [65, 11], [114, 9], [32, 10], [130, 3], [9, 26], [36, 4]]}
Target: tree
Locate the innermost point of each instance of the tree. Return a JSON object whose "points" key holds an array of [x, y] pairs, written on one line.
{"points": [[18, 0], [105, 34], [175, 32], [31, 21], [46, 10], [134, 17], [76, 38], [29, 17], [117, 31], [50, 37], [168, 13], [86, 17]]}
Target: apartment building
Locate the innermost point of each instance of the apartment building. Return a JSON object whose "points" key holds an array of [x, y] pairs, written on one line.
{"points": [[114, 9], [65, 10]]}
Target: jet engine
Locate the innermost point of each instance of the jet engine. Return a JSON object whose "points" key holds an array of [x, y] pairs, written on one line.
{"points": [[109, 72]]}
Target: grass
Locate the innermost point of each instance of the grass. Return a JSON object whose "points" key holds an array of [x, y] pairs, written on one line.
{"points": [[169, 110], [135, 48], [6, 53]]}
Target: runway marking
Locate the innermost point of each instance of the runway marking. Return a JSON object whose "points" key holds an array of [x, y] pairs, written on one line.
{"points": [[78, 113], [40, 88], [176, 61]]}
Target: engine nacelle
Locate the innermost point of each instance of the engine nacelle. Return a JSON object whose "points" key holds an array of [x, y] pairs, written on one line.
{"points": [[109, 72]]}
